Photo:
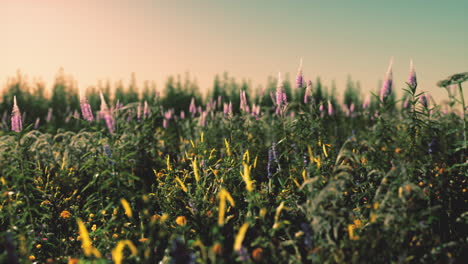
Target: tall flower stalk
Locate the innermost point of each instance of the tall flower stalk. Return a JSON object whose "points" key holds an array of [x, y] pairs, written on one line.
{"points": [[86, 108], [106, 114], [16, 123], [386, 89], [281, 98]]}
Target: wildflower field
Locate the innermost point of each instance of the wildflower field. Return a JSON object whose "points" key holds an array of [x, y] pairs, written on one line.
{"points": [[292, 173]]}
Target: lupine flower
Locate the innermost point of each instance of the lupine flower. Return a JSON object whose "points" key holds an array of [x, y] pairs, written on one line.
{"points": [[243, 102], [412, 75], [193, 107], [433, 146], [146, 110], [49, 115], [387, 84], [118, 105], [202, 120], [182, 115], [106, 114], [230, 109], [281, 98], [165, 123], [352, 108], [406, 103], [256, 111], [299, 77], [424, 101], [16, 123], [86, 108], [269, 164], [330, 108], [139, 112], [225, 109], [321, 108], [366, 102], [306, 95], [36, 124], [168, 114]]}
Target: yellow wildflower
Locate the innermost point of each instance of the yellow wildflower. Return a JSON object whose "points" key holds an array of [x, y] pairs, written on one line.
{"points": [[117, 252], [240, 236], [223, 195], [352, 236], [126, 206], [86, 241], [246, 177]]}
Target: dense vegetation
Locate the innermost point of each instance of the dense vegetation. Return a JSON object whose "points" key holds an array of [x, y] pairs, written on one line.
{"points": [[281, 175]]}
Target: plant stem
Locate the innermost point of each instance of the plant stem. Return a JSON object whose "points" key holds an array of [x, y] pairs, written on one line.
{"points": [[464, 117]]}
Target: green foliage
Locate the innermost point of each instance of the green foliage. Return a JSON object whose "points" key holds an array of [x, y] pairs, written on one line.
{"points": [[381, 184]]}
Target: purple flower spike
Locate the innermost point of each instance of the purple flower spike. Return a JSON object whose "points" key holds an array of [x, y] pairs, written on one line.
{"points": [[36, 124], [86, 108], [424, 101], [387, 84], [139, 112], [406, 103], [193, 107], [366, 102], [412, 75], [330, 108], [146, 110], [16, 123], [244, 107], [107, 115], [281, 98], [299, 77], [49, 115]]}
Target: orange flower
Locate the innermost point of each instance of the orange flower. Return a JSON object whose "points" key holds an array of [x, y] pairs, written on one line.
{"points": [[65, 214], [217, 249], [257, 254], [73, 261], [181, 220], [398, 150]]}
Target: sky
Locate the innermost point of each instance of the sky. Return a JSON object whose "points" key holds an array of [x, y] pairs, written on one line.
{"points": [[251, 40]]}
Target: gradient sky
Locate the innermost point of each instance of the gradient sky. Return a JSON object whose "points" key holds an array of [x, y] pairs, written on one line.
{"points": [[109, 39]]}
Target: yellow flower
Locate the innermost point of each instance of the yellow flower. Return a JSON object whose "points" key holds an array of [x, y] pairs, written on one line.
{"points": [[358, 223], [32, 257], [86, 241], [65, 214], [117, 252], [246, 177], [181, 220], [352, 236], [93, 228], [126, 206], [195, 170], [223, 196], [38, 246], [240, 236], [45, 202]]}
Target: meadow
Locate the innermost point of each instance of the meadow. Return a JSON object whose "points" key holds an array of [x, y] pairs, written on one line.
{"points": [[291, 173]]}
